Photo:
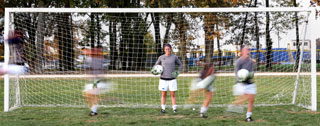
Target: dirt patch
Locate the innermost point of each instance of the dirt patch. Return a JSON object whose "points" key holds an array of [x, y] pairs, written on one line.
{"points": [[260, 120], [92, 120], [171, 116], [304, 111], [225, 117]]}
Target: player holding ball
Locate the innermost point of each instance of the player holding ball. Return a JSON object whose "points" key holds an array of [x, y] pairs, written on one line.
{"points": [[245, 89]]}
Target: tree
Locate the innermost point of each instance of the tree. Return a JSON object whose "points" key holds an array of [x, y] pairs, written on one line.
{"points": [[256, 32], [268, 39], [297, 37]]}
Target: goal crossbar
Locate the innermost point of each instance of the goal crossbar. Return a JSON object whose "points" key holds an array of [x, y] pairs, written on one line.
{"points": [[159, 10]]}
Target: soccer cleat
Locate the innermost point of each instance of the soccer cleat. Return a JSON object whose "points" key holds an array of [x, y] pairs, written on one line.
{"points": [[163, 111], [93, 113], [249, 119], [175, 111], [203, 115]]}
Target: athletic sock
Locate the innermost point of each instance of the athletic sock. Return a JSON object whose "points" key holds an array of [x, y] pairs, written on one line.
{"points": [[203, 109], [94, 108], [163, 107], [174, 107], [249, 114]]}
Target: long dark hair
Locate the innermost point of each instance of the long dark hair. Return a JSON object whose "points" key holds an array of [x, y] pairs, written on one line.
{"points": [[167, 45], [207, 70]]}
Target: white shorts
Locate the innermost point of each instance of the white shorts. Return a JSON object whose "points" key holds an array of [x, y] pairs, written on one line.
{"points": [[240, 89], [164, 85], [195, 85]]}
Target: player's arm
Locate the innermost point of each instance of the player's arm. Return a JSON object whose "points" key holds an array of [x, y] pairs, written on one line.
{"points": [[178, 62], [157, 63], [175, 74], [237, 67]]}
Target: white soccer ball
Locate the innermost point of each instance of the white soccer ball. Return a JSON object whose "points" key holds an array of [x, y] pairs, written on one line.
{"points": [[243, 74], [157, 69]]}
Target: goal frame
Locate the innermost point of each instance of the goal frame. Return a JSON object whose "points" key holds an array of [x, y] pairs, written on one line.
{"points": [[312, 10]]}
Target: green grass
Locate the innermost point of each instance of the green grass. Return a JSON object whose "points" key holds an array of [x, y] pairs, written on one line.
{"points": [[144, 90]]}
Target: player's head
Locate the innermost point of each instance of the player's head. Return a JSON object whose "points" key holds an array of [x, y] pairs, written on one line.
{"points": [[244, 51], [167, 49]]}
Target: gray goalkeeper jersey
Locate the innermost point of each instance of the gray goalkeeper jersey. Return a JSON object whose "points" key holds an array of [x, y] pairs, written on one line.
{"points": [[168, 63], [244, 64]]}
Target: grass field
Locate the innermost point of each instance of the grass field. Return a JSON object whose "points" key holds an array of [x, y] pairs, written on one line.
{"points": [[129, 92]]}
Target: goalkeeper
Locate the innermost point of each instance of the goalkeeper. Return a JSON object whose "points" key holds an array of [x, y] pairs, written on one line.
{"points": [[16, 66], [168, 77], [245, 89], [92, 91]]}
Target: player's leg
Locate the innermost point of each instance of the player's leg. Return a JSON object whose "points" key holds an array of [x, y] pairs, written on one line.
{"points": [[92, 101], [173, 100], [238, 92], [163, 87], [250, 98], [163, 101], [173, 88], [240, 99], [206, 102], [251, 91]]}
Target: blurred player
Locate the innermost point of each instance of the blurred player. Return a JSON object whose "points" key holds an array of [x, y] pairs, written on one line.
{"points": [[244, 90], [168, 77], [93, 91], [16, 66], [203, 84], [16, 43]]}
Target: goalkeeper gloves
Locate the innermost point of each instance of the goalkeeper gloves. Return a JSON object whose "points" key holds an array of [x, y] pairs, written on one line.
{"points": [[251, 75], [95, 83], [175, 74]]}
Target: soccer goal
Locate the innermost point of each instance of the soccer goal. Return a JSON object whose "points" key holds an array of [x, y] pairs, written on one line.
{"points": [[54, 41]]}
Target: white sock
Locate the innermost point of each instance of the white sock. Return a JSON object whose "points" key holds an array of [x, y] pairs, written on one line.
{"points": [[174, 107], [203, 109], [249, 114], [163, 107], [94, 108]]}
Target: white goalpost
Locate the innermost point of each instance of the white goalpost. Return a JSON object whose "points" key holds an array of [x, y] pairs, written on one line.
{"points": [[54, 42]]}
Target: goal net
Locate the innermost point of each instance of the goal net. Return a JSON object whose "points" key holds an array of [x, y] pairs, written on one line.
{"points": [[54, 43]]}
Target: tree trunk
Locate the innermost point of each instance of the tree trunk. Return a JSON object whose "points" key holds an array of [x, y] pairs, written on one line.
{"points": [[98, 27], [91, 30], [183, 44], [65, 41], [257, 37], [68, 51], [297, 39], [208, 30], [39, 43], [244, 27], [113, 44], [168, 26], [30, 53], [268, 40], [219, 49], [156, 20]]}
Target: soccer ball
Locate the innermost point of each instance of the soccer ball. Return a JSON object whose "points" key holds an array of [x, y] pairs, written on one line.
{"points": [[157, 69], [243, 74]]}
